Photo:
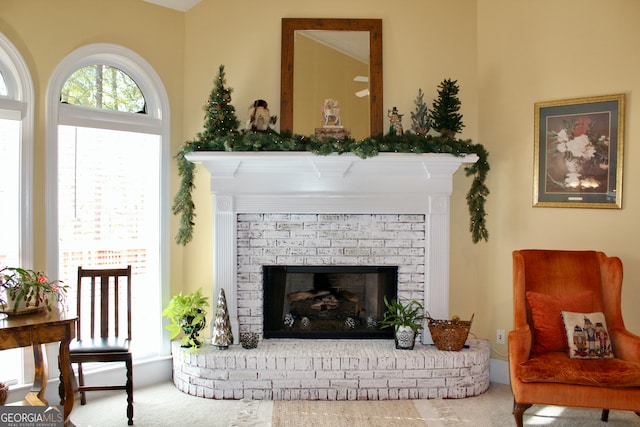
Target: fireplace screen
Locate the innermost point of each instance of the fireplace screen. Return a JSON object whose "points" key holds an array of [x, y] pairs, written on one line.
{"points": [[327, 301]]}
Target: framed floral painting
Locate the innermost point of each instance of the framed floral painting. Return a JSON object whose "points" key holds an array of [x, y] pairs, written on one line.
{"points": [[579, 152]]}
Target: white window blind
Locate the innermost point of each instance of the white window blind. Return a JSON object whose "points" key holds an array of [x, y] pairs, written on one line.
{"points": [[108, 216]]}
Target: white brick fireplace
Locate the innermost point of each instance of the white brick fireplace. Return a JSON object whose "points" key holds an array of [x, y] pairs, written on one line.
{"points": [[405, 196]]}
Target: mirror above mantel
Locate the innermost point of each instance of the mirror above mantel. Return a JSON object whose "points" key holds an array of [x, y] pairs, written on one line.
{"points": [[355, 77]]}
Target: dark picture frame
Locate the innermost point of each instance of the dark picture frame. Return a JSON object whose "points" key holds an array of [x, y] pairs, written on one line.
{"points": [[578, 152]]}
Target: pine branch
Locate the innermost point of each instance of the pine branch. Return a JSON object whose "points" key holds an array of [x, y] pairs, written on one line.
{"points": [[369, 147]]}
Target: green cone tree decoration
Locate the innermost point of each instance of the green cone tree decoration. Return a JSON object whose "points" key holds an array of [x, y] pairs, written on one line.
{"points": [[220, 121], [222, 334], [444, 112]]}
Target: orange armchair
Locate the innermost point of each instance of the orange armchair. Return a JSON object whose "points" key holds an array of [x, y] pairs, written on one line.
{"points": [[540, 367]]}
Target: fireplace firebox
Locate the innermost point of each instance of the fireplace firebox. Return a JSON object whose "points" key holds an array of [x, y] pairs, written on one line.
{"points": [[327, 301]]}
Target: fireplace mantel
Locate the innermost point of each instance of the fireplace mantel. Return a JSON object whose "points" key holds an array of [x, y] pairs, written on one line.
{"points": [[301, 182]]}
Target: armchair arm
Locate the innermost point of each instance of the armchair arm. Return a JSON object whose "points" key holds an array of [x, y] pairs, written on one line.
{"points": [[519, 345], [626, 345]]}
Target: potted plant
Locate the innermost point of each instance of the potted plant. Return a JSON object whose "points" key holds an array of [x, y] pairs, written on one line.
{"points": [[187, 314], [26, 291], [406, 320]]}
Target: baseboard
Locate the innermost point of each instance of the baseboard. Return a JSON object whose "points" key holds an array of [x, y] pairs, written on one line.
{"points": [[145, 373], [499, 371]]}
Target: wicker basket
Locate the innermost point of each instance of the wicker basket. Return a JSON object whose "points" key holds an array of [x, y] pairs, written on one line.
{"points": [[449, 335]]}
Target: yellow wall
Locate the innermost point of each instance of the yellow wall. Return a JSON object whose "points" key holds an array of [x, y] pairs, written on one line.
{"points": [[45, 31], [543, 51], [505, 54]]}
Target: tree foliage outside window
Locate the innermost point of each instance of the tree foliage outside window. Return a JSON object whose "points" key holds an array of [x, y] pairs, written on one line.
{"points": [[103, 87]]}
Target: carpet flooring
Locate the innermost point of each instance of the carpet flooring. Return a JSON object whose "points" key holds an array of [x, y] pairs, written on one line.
{"points": [[164, 405]]}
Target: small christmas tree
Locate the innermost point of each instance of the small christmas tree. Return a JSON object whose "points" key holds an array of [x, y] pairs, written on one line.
{"points": [[222, 334], [220, 117], [444, 113], [220, 121], [420, 122]]}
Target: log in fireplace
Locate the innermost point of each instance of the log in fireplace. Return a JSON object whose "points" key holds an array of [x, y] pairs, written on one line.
{"points": [[327, 301]]}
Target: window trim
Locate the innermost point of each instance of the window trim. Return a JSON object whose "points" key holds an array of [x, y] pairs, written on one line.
{"points": [[108, 119], [156, 121], [18, 104], [21, 99]]}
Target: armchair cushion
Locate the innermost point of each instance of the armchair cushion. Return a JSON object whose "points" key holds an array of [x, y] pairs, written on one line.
{"points": [[557, 367], [548, 329], [587, 335]]}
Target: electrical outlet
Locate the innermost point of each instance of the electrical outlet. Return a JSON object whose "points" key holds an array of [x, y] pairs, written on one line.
{"points": [[500, 336]]}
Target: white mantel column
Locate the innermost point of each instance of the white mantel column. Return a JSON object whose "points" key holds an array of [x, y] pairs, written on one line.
{"points": [[224, 258], [436, 292]]}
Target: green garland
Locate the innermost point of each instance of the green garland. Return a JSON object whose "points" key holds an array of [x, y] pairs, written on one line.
{"points": [[271, 141]]}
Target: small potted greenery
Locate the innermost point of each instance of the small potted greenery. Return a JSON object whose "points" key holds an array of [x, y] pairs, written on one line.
{"points": [[187, 314], [26, 291], [406, 320]]}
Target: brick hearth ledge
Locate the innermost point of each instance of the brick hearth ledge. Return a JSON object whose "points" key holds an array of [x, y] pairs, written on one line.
{"points": [[281, 369]]}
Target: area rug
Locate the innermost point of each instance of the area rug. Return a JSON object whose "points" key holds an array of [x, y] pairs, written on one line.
{"points": [[311, 413]]}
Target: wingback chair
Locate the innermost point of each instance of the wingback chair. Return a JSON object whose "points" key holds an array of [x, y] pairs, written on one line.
{"points": [[549, 285]]}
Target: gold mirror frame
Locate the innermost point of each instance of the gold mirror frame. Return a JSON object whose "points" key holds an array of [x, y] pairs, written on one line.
{"points": [[373, 26]]}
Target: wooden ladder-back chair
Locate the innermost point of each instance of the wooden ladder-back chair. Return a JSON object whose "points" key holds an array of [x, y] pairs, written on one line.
{"points": [[577, 294], [104, 327]]}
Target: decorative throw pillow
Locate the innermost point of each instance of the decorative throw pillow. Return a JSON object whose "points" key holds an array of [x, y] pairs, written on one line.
{"points": [[587, 335], [548, 329]]}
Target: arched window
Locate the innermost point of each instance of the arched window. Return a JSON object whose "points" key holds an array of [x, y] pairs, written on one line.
{"points": [[108, 159], [103, 87], [16, 152]]}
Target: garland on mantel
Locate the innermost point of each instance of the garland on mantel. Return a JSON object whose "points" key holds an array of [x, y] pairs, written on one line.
{"points": [[369, 147]]}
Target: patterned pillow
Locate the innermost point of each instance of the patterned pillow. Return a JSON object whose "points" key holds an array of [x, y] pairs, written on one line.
{"points": [[587, 335]]}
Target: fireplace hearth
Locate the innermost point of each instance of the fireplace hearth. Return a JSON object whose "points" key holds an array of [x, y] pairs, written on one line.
{"points": [[301, 210], [327, 301]]}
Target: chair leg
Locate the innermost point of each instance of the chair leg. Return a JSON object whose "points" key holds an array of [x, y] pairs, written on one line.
{"points": [[605, 415], [83, 397], [518, 412], [129, 365]]}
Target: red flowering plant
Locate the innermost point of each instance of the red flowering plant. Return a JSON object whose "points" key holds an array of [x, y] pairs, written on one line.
{"points": [[30, 288]]}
